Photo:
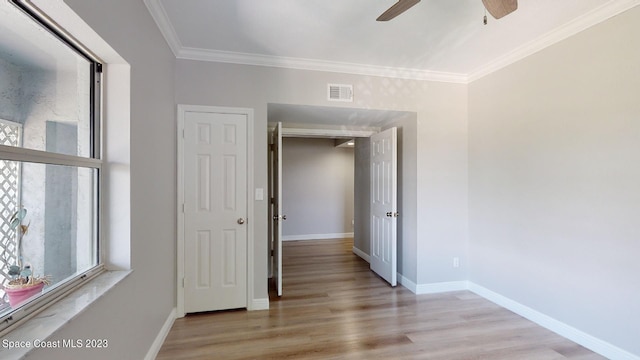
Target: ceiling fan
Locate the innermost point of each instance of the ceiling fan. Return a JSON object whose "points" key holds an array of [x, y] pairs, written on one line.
{"points": [[497, 8]]}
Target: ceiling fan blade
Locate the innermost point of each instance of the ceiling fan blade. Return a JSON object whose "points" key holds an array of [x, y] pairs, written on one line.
{"points": [[397, 9], [500, 8]]}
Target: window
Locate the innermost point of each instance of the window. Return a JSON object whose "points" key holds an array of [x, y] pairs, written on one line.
{"points": [[49, 162]]}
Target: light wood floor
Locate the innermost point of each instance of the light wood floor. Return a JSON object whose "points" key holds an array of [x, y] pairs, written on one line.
{"points": [[333, 307]]}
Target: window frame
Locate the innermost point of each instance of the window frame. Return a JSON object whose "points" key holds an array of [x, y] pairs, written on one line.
{"points": [[26, 311]]}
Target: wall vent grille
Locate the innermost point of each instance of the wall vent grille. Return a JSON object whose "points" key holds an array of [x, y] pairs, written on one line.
{"points": [[340, 92]]}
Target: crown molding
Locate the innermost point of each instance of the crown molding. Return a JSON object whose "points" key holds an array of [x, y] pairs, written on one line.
{"points": [[161, 18], [594, 17], [317, 65]]}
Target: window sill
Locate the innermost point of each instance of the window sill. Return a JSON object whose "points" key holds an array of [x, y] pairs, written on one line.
{"points": [[54, 317]]}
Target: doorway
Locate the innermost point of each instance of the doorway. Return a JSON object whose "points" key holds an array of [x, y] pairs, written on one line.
{"points": [[215, 238], [328, 123], [318, 188]]}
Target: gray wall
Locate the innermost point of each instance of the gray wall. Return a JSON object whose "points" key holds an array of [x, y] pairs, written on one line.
{"points": [[10, 99], [554, 148], [131, 315], [61, 204], [317, 183], [362, 196], [408, 191], [441, 152]]}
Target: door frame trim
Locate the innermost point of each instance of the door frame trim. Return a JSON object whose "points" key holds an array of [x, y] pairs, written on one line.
{"points": [[182, 109]]}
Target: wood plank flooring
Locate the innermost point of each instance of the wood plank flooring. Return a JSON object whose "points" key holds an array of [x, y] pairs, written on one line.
{"points": [[333, 307]]}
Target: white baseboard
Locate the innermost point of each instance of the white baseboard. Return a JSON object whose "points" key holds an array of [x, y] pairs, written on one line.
{"points": [[162, 335], [433, 288], [441, 287], [259, 304], [590, 342], [362, 254], [317, 236], [407, 283]]}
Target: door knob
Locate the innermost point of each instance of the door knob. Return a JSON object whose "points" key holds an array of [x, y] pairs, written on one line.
{"points": [[389, 214], [241, 221]]}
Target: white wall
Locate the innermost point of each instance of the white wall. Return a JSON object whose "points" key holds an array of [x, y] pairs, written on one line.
{"points": [[317, 183], [131, 315], [554, 148]]}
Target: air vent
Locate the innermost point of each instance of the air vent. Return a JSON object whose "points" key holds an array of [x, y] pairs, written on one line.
{"points": [[340, 92]]}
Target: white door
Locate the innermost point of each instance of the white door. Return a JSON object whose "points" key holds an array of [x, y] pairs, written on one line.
{"points": [[215, 210], [384, 213], [277, 207]]}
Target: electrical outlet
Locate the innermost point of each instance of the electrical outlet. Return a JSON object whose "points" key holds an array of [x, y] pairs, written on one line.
{"points": [[456, 262]]}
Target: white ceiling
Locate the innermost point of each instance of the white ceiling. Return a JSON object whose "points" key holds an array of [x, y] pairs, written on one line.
{"points": [[442, 40]]}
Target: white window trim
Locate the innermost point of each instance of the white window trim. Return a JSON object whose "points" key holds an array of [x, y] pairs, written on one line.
{"points": [[12, 153]]}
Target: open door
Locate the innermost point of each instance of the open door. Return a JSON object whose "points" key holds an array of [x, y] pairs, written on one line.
{"points": [[277, 207], [384, 199]]}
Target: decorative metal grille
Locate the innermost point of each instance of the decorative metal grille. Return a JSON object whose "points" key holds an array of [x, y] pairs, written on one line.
{"points": [[9, 199]]}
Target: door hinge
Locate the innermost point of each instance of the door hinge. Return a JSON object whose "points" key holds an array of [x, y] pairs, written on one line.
{"points": [[183, 207], [183, 282], [272, 147], [183, 133], [272, 201], [99, 68]]}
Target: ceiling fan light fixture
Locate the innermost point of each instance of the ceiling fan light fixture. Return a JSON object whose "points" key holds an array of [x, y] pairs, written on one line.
{"points": [[500, 8]]}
